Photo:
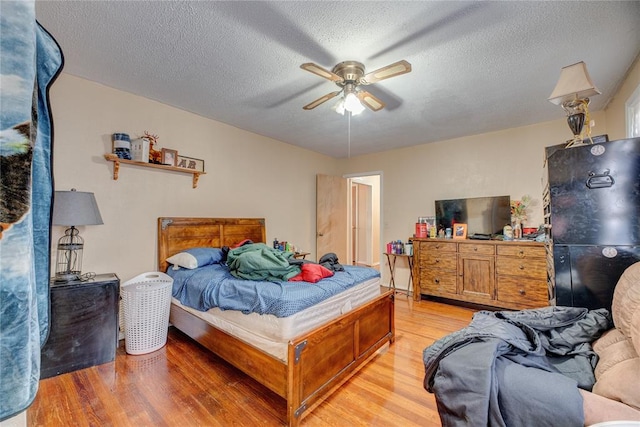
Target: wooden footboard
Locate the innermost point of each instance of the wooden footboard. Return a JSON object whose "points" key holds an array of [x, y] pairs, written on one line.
{"points": [[318, 362]]}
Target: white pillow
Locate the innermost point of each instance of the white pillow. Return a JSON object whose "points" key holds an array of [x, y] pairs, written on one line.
{"points": [[183, 259], [195, 257]]}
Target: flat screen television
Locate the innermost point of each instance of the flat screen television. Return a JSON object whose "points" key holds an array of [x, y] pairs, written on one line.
{"points": [[483, 215]]}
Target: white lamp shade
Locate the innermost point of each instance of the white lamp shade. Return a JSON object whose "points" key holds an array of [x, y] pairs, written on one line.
{"points": [[75, 208], [352, 103], [574, 83], [340, 106]]}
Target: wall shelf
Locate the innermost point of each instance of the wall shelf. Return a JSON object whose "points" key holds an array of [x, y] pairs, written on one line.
{"points": [[116, 167]]}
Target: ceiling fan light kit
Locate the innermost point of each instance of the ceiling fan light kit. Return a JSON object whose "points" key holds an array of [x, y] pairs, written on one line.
{"points": [[349, 75], [349, 102]]}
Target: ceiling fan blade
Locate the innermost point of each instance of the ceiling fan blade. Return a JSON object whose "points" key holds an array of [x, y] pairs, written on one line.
{"points": [[392, 70], [370, 101], [319, 71], [321, 100]]}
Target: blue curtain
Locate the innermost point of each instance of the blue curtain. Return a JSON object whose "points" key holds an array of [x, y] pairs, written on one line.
{"points": [[30, 62]]}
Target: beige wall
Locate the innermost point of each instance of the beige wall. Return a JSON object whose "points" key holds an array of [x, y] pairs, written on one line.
{"points": [[247, 175], [507, 162], [616, 115], [250, 175]]}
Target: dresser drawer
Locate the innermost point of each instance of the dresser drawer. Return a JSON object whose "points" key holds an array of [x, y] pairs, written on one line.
{"points": [[523, 293], [438, 261], [527, 267], [474, 248], [522, 251], [437, 282], [437, 246]]}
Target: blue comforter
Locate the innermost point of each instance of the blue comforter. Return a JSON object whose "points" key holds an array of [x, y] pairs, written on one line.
{"points": [[214, 286]]}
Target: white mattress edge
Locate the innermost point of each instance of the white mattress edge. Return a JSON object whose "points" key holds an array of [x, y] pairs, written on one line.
{"points": [[270, 333]]}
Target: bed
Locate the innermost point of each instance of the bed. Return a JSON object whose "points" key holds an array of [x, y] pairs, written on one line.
{"points": [[314, 363]]}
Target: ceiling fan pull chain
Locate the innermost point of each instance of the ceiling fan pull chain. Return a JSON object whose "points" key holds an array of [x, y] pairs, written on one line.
{"points": [[349, 134]]}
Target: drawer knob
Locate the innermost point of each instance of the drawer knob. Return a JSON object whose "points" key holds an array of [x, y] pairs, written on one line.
{"points": [[436, 280], [521, 253], [437, 260], [521, 291], [521, 267], [475, 249]]}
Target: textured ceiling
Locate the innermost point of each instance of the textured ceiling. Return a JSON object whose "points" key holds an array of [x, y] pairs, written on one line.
{"points": [[477, 66]]}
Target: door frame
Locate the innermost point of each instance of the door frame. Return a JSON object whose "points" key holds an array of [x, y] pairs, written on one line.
{"points": [[354, 177]]}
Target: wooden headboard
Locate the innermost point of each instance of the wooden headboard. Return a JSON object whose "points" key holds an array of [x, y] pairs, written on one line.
{"points": [[177, 234]]}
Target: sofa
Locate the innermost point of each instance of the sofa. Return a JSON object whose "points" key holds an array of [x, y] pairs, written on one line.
{"points": [[618, 369]]}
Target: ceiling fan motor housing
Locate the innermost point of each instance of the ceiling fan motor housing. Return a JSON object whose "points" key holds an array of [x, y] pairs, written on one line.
{"points": [[350, 71]]}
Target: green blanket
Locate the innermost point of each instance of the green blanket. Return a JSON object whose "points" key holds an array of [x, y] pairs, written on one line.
{"points": [[257, 261]]}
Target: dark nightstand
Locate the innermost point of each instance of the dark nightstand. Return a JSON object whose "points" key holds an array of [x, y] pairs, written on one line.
{"points": [[83, 328]]}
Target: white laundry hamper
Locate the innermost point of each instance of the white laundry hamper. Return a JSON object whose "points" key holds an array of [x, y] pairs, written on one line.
{"points": [[146, 301]]}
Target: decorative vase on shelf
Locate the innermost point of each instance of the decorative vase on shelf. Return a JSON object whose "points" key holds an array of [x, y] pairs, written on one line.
{"points": [[517, 230]]}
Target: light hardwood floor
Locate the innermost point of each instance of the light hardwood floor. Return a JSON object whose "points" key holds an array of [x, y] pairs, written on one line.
{"points": [[183, 385]]}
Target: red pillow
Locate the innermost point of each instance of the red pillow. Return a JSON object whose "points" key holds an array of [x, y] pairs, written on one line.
{"points": [[244, 242], [312, 273]]}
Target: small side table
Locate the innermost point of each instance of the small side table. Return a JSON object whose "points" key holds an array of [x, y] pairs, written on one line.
{"points": [[83, 327], [391, 260], [302, 255]]}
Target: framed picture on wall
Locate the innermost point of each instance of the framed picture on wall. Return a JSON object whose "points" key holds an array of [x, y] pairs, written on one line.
{"points": [[190, 163], [459, 231], [169, 157]]}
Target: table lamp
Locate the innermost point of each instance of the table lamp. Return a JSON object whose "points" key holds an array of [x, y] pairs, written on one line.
{"points": [[572, 92], [72, 208]]}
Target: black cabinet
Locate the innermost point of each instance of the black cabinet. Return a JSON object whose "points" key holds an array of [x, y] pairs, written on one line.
{"points": [[592, 206], [586, 275], [83, 328]]}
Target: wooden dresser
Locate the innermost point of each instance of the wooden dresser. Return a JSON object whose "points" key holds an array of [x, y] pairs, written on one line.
{"points": [[494, 273]]}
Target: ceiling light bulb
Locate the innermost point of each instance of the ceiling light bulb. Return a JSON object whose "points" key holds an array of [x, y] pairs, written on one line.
{"points": [[340, 107], [351, 102], [357, 109]]}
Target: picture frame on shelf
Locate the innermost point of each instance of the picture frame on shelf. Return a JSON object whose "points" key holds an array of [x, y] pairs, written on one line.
{"points": [[190, 163], [169, 157], [459, 231]]}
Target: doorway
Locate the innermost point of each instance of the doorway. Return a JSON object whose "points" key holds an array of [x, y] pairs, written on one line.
{"points": [[348, 218], [364, 242]]}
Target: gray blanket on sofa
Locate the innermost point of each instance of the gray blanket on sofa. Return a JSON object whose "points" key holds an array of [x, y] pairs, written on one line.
{"points": [[516, 368]]}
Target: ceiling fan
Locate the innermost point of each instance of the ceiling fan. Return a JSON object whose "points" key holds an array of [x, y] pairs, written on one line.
{"points": [[349, 75]]}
